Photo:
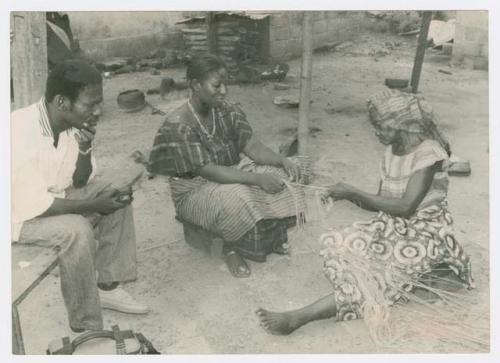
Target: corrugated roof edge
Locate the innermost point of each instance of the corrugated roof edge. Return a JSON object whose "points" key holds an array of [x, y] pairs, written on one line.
{"points": [[255, 15]]}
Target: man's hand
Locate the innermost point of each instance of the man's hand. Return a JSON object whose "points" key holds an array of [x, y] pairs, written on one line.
{"points": [[85, 136], [270, 183], [292, 170], [125, 194], [109, 201]]}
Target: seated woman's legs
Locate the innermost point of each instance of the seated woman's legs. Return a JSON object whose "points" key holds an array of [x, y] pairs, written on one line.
{"points": [[268, 236], [284, 323]]}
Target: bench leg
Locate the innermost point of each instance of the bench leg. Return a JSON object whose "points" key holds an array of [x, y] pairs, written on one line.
{"points": [[17, 335]]}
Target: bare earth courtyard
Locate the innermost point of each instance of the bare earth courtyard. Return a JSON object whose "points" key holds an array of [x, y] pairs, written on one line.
{"points": [[197, 306]]}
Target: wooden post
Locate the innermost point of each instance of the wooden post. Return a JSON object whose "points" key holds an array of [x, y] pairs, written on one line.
{"points": [[211, 32], [28, 56], [421, 45], [305, 81]]}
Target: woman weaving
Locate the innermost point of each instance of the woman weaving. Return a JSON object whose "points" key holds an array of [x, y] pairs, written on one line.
{"points": [[380, 261], [244, 202]]}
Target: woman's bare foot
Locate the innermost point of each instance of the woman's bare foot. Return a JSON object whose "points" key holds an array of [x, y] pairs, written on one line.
{"points": [[288, 321], [278, 323]]}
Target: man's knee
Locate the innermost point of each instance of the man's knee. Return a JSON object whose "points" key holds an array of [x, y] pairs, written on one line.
{"points": [[77, 228], [77, 241]]}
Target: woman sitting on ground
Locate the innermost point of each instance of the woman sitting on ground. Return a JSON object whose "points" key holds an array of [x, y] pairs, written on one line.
{"points": [[243, 201], [383, 259]]}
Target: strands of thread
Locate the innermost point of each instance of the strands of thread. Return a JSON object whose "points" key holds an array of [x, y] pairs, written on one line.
{"points": [[448, 326], [308, 186], [140, 158], [300, 214], [322, 207], [377, 318], [452, 321], [390, 327]]}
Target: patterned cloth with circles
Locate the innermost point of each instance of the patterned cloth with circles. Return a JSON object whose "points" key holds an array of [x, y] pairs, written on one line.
{"points": [[380, 260]]}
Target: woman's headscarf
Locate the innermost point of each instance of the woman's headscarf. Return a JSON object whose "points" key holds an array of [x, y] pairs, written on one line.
{"points": [[406, 112]]}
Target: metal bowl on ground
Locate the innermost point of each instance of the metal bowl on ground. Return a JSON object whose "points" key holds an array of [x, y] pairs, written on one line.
{"points": [[132, 100]]}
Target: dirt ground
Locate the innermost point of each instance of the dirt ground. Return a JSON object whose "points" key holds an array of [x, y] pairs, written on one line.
{"points": [[197, 306]]}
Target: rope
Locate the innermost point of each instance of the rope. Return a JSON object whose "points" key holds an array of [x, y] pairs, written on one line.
{"points": [[308, 186]]}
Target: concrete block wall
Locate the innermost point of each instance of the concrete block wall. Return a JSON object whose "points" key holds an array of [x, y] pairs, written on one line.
{"points": [[131, 46], [132, 34], [329, 26], [470, 46], [90, 25]]}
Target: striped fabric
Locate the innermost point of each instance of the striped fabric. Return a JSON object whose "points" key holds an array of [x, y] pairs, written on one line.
{"points": [[245, 215], [399, 110], [396, 172], [40, 171], [261, 240], [381, 260], [233, 210], [180, 148], [44, 118]]}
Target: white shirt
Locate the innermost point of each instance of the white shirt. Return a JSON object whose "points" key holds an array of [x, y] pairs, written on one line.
{"points": [[40, 171]]}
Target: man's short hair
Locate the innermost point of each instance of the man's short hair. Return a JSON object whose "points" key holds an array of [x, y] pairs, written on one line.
{"points": [[68, 78]]}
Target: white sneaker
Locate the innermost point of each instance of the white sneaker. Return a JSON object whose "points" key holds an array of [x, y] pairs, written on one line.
{"points": [[120, 300]]}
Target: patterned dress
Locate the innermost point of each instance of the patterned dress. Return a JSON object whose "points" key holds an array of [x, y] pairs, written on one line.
{"points": [[246, 216], [381, 259]]}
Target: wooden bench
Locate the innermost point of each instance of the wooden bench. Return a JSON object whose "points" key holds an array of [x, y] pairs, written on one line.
{"points": [[30, 265]]}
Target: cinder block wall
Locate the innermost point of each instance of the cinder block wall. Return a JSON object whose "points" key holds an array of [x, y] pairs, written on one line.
{"points": [[105, 34], [131, 46], [329, 26], [470, 46]]}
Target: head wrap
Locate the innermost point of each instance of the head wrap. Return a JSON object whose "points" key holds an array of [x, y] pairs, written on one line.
{"points": [[406, 112]]}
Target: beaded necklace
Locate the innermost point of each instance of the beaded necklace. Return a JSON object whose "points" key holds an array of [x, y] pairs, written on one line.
{"points": [[211, 134]]}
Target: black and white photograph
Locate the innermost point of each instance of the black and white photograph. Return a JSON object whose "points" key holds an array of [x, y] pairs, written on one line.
{"points": [[236, 181]]}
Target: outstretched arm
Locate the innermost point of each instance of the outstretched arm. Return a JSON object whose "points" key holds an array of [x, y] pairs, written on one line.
{"points": [[406, 206], [105, 203], [226, 175], [366, 206], [263, 155]]}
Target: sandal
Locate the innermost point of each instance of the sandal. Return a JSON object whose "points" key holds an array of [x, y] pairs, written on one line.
{"points": [[237, 265], [281, 248]]}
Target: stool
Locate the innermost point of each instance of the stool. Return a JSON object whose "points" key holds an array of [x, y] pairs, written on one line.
{"points": [[42, 261], [201, 239], [212, 244]]}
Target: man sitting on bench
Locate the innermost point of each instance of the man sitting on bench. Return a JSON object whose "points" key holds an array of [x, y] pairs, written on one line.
{"points": [[56, 201]]}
